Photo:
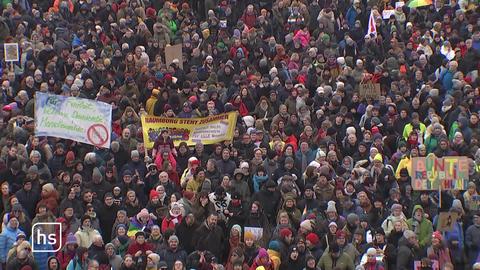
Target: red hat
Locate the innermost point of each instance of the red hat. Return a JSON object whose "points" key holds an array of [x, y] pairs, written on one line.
{"points": [[192, 99], [167, 107], [437, 235], [195, 162], [188, 194], [313, 238], [341, 234], [375, 130], [154, 194], [285, 232], [150, 12]]}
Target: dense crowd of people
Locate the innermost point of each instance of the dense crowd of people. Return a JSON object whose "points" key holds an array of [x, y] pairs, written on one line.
{"points": [[317, 175]]}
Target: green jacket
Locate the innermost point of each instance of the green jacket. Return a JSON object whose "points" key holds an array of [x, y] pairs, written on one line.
{"points": [[344, 262], [424, 229], [431, 143]]}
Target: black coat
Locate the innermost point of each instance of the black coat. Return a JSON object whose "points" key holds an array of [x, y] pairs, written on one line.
{"points": [[107, 215], [211, 239], [28, 200], [186, 235]]}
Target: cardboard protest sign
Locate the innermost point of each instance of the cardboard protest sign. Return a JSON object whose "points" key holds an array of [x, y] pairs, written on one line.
{"points": [[387, 13], [174, 52], [446, 221], [474, 203], [417, 265], [257, 232], [369, 90], [11, 52], [432, 173]]}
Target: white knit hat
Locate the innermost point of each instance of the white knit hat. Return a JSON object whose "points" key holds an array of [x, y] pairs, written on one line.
{"points": [[331, 207]]}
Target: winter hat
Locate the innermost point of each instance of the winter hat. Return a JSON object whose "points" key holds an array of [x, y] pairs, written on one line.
{"points": [[352, 218], [437, 235], [359, 231], [313, 238], [262, 253], [21, 234], [154, 194], [237, 228], [331, 207], [71, 239], [378, 157], [48, 187], [143, 213], [320, 153], [110, 245], [333, 223], [408, 234], [173, 238], [396, 206], [274, 245], [285, 232], [307, 225], [371, 251], [154, 257], [69, 158], [188, 195], [289, 160], [341, 234], [33, 169]]}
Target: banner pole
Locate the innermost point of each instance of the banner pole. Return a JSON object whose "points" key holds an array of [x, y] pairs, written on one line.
{"points": [[440, 195]]}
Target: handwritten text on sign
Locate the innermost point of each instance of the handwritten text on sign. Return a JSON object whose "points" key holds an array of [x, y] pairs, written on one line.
{"points": [[449, 172], [82, 120], [208, 130]]}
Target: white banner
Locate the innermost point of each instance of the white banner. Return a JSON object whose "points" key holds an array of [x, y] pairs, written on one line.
{"points": [[82, 120]]}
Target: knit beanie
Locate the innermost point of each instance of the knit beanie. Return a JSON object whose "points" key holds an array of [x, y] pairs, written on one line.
{"points": [[313, 238]]}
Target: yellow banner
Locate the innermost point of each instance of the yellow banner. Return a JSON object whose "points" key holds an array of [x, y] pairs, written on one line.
{"points": [[208, 130]]}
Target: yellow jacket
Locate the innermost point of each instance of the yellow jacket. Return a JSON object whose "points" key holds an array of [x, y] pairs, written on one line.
{"points": [[405, 162], [150, 105]]}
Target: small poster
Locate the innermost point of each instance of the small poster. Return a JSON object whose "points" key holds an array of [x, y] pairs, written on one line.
{"points": [[474, 203], [174, 52], [257, 232], [399, 4], [417, 265], [387, 13], [446, 221], [11, 52], [370, 90]]}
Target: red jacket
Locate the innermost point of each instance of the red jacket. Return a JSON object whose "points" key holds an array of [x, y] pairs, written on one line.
{"points": [[168, 223], [64, 258], [134, 247]]}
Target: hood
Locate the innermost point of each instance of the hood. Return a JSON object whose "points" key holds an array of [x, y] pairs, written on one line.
{"points": [[415, 208], [403, 242]]}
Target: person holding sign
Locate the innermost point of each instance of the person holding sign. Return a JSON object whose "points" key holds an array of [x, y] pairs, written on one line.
{"points": [[437, 250]]}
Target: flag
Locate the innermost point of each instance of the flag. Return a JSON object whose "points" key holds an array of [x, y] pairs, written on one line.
{"points": [[372, 28], [419, 3]]}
